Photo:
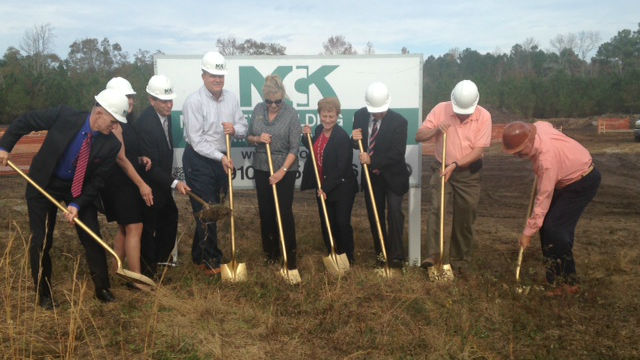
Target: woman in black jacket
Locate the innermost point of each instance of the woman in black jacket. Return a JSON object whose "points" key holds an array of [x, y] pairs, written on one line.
{"points": [[334, 154]]}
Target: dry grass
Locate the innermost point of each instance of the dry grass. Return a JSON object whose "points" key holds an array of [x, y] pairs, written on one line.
{"points": [[361, 316]]}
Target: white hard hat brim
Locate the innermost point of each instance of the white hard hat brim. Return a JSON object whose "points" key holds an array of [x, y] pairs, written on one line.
{"points": [[214, 72], [464, 111], [118, 117], [171, 96], [378, 109]]}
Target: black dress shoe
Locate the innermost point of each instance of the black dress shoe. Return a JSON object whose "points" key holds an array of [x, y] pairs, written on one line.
{"points": [[105, 296], [46, 302]]}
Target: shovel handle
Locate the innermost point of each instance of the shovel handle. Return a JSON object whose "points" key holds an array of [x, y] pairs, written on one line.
{"points": [[442, 194], [375, 210], [66, 211], [279, 218], [232, 222], [198, 198], [324, 205], [529, 211]]}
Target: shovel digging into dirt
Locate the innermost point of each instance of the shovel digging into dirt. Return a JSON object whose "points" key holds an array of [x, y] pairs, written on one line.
{"points": [[440, 271], [291, 275], [126, 274], [210, 213], [334, 263], [233, 271], [520, 289], [386, 271]]}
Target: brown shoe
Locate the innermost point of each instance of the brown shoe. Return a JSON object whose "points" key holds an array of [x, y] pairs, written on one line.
{"points": [[563, 290], [209, 271], [427, 263]]}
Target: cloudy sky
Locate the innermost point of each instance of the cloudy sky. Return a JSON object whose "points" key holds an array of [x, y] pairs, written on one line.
{"points": [[423, 26]]}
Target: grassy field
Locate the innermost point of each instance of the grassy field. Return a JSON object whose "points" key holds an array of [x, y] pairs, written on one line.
{"points": [[360, 316]]}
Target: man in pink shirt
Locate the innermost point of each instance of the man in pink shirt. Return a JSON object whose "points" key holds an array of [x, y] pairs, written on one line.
{"points": [[468, 129], [567, 181]]}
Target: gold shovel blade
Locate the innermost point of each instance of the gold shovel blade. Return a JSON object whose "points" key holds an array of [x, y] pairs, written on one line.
{"points": [[292, 276], [135, 277], [233, 274], [441, 273], [387, 272], [337, 265]]}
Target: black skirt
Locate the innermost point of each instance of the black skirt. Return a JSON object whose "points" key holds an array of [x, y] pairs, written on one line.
{"points": [[122, 203]]}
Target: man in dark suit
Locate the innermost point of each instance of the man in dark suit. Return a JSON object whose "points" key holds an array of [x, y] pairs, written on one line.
{"points": [[384, 136], [72, 165], [160, 221]]}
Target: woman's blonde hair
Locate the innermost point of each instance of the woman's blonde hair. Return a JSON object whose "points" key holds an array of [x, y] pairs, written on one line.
{"points": [[273, 86], [329, 104]]}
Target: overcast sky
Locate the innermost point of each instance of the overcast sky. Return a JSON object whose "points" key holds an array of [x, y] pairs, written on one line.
{"points": [[427, 27]]}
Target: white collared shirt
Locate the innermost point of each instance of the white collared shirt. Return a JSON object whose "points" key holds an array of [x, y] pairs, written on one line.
{"points": [[203, 118]]}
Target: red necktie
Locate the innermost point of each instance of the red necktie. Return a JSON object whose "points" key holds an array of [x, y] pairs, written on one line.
{"points": [[81, 167]]}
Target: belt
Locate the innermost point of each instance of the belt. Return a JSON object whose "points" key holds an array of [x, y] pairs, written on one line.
{"points": [[590, 169], [587, 172]]}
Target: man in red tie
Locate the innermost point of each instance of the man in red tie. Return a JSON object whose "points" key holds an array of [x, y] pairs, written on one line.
{"points": [[72, 165]]}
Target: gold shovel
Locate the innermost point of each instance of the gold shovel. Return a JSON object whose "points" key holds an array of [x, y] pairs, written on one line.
{"points": [[126, 274], [519, 288], [234, 271], [440, 271], [209, 213], [386, 271], [292, 276], [335, 264]]}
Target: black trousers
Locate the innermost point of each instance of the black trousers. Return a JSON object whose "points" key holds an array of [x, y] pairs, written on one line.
{"points": [[206, 178], [268, 220], [42, 221], [394, 216], [160, 226], [339, 214], [558, 230]]}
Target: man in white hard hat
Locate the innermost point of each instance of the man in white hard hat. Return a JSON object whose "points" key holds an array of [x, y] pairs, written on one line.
{"points": [[210, 114], [72, 165], [160, 221], [384, 138], [468, 129]]}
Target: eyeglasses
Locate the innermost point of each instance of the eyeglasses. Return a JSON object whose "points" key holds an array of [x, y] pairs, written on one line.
{"points": [[269, 102]]}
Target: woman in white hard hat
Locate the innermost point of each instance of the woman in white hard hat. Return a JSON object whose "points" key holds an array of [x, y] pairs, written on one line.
{"points": [[126, 193], [333, 153], [275, 122]]}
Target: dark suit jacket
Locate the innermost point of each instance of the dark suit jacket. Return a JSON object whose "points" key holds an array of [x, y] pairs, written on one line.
{"points": [[338, 177], [391, 145], [63, 124], [153, 144]]}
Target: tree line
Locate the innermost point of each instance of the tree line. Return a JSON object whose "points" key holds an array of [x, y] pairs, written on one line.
{"points": [[528, 81]]}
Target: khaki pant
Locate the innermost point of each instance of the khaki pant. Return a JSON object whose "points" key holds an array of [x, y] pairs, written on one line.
{"points": [[463, 188]]}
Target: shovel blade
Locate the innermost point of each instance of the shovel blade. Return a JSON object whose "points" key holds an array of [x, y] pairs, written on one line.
{"points": [[135, 277], [388, 273], [441, 273], [232, 273], [337, 265], [292, 276]]}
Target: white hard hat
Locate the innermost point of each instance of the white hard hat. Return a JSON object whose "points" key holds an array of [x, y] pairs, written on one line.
{"points": [[377, 97], [115, 102], [160, 87], [464, 97], [122, 85], [213, 63]]}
